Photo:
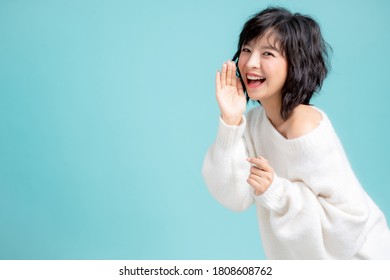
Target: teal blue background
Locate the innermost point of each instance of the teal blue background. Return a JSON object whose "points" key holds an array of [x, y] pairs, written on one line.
{"points": [[107, 109]]}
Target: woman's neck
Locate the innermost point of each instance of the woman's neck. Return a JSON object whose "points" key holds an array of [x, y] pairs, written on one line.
{"points": [[272, 110]]}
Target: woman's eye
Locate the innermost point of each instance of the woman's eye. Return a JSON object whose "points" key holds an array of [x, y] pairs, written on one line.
{"points": [[245, 50], [267, 54]]}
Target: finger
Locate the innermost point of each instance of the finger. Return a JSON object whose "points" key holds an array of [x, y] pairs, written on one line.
{"points": [[259, 172], [262, 181], [229, 73], [258, 161], [233, 74], [218, 81], [261, 163], [259, 188], [240, 89], [254, 183], [223, 75], [266, 176]]}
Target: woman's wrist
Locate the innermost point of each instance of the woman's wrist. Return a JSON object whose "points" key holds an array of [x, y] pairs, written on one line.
{"points": [[232, 121]]}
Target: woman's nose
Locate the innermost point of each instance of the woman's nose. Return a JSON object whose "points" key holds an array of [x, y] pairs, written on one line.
{"points": [[254, 61]]}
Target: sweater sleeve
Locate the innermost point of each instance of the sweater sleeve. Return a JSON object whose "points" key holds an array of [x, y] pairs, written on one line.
{"points": [[322, 212], [225, 168]]}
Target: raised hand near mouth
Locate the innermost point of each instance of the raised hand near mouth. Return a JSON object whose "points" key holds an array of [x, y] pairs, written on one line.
{"points": [[230, 94]]}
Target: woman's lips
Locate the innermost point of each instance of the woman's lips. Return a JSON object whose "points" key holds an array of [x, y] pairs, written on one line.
{"points": [[254, 80], [251, 83]]}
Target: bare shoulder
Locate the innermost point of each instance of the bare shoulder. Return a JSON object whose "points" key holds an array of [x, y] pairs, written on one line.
{"points": [[303, 120]]}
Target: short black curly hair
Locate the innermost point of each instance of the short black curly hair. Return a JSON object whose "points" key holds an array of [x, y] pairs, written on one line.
{"points": [[300, 40]]}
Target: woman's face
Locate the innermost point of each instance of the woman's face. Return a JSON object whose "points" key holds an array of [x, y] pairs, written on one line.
{"points": [[263, 68]]}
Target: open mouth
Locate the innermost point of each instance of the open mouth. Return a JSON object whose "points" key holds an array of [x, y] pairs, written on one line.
{"points": [[254, 80]]}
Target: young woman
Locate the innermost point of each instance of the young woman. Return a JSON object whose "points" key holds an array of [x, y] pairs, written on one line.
{"points": [[284, 156]]}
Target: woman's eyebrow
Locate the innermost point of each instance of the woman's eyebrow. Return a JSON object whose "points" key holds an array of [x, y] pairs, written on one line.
{"points": [[247, 44], [269, 47]]}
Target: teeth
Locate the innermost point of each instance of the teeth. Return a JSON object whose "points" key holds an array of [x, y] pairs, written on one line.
{"points": [[255, 78]]}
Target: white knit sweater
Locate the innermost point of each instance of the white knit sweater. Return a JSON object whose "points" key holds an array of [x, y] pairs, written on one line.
{"points": [[314, 209]]}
